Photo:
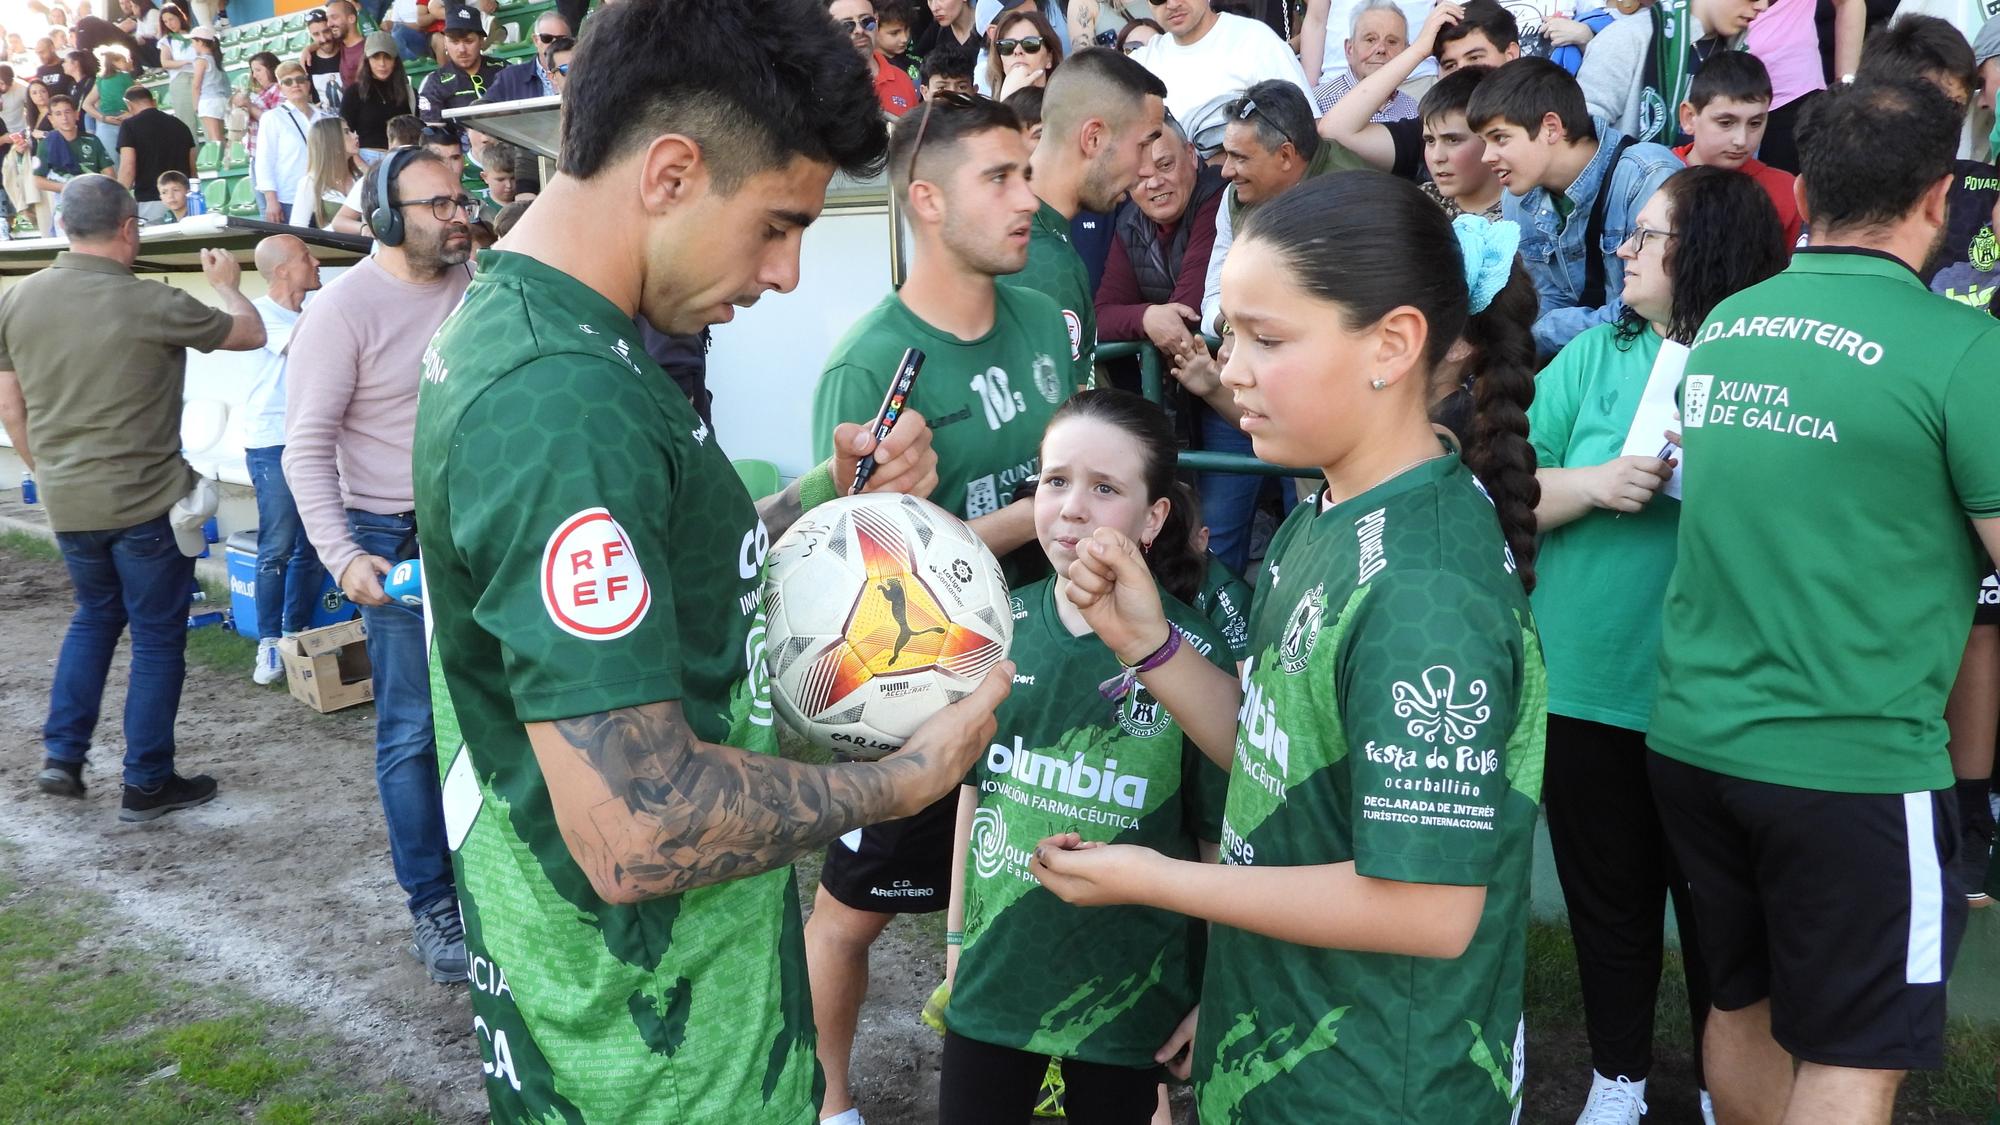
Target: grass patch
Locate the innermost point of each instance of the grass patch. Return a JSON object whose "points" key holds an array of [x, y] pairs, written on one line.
{"points": [[1965, 1085], [29, 546], [94, 1034]]}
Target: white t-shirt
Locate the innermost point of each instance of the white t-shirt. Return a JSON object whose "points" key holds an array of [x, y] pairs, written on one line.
{"points": [[263, 410], [408, 12], [1237, 53], [1339, 18]]}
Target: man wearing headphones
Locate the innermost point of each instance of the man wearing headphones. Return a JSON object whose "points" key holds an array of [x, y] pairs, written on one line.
{"points": [[356, 358]]}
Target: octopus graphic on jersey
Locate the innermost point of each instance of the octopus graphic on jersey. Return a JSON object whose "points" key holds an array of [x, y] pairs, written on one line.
{"points": [[896, 628]]}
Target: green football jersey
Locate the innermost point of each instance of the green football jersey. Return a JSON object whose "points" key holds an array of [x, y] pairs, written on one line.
{"points": [[987, 400], [1393, 716], [1225, 600], [1036, 974], [1056, 270], [587, 547], [1840, 423]]}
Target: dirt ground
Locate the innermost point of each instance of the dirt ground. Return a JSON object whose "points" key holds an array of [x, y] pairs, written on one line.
{"points": [[282, 885]]}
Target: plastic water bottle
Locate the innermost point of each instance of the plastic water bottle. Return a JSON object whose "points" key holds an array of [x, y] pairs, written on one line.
{"points": [[405, 585], [29, 495], [204, 620], [197, 204]]}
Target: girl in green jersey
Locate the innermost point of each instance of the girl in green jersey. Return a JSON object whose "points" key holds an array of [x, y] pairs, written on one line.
{"points": [[1384, 740], [1080, 747]]}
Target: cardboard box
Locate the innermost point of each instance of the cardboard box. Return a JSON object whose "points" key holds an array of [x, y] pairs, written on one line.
{"points": [[328, 669]]}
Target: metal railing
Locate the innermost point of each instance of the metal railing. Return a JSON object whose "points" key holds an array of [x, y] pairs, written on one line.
{"points": [[1152, 384]]}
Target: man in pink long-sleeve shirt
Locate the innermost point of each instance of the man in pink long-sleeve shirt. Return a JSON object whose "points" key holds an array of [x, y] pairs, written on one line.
{"points": [[356, 358]]}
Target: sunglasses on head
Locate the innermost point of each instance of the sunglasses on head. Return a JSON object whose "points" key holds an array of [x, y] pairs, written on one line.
{"points": [[1030, 45], [1250, 108], [866, 23], [950, 98]]}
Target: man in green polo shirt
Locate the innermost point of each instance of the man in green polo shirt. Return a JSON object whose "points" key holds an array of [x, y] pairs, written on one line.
{"points": [[1840, 422], [621, 824], [1100, 117]]}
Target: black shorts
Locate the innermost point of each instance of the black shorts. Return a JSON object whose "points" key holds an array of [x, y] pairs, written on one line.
{"points": [[1834, 906], [1986, 610], [897, 866]]}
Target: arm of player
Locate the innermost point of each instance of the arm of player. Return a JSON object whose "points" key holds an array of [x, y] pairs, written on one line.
{"points": [[961, 846], [906, 463], [14, 417], [1005, 530], [1110, 584], [1330, 906], [648, 809]]}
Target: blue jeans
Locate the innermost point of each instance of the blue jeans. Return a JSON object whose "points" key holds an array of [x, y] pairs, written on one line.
{"points": [[289, 576], [107, 133], [406, 769], [132, 576], [1228, 500], [415, 44]]}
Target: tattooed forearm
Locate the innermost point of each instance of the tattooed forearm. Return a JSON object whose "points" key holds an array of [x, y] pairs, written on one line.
{"points": [[780, 511], [683, 814]]}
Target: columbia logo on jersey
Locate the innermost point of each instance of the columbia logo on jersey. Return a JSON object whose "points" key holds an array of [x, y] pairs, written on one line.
{"points": [[1258, 730], [1074, 778]]}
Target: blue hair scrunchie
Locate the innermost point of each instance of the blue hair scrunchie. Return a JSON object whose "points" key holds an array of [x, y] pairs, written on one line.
{"points": [[1489, 249]]}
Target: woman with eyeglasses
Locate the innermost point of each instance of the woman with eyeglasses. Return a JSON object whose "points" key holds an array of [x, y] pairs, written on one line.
{"points": [[1608, 541], [1021, 52], [282, 146], [380, 90]]}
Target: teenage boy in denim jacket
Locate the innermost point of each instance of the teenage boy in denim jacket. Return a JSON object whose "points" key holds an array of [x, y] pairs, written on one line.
{"points": [[1565, 174]]}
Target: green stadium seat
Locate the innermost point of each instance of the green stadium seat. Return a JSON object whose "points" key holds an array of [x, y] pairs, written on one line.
{"points": [[243, 200], [216, 194], [208, 158], [236, 159], [760, 478], [295, 22]]}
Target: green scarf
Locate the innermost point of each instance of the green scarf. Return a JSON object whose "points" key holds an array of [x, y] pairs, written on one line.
{"points": [[1668, 74]]}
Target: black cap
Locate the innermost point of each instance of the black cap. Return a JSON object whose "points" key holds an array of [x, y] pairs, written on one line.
{"points": [[463, 17]]}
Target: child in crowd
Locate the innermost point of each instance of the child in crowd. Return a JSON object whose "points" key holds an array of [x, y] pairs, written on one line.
{"points": [[1726, 111], [1027, 105], [1575, 193], [893, 19], [1368, 925], [947, 70], [1122, 1004], [1608, 540], [173, 188]]}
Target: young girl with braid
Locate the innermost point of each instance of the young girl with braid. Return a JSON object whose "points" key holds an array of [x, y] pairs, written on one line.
{"points": [[1384, 741]]}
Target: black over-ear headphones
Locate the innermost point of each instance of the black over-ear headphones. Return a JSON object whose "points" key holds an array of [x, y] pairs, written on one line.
{"points": [[386, 220]]}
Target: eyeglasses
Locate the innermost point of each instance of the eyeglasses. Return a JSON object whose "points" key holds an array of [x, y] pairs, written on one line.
{"points": [[1032, 45], [562, 69], [1639, 236], [1250, 109], [866, 23], [545, 40], [951, 98], [442, 206], [294, 80], [1133, 44]]}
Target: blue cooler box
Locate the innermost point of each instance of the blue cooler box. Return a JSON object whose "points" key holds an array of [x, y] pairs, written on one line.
{"points": [[241, 554]]}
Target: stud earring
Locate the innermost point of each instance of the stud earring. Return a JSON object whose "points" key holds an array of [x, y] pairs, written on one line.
{"points": [[1378, 384]]}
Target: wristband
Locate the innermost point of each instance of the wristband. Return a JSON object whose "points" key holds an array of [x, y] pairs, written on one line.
{"points": [[954, 937], [1117, 687], [816, 487]]}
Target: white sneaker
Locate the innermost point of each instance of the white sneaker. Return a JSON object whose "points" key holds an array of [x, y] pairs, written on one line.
{"points": [[1613, 1101], [269, 669]]}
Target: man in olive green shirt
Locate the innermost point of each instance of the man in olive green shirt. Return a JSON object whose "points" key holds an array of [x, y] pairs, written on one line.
{"points": [[96, 415]]}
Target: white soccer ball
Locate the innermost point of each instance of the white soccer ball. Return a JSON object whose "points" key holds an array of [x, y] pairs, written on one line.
{"points": [[880, 610]]}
